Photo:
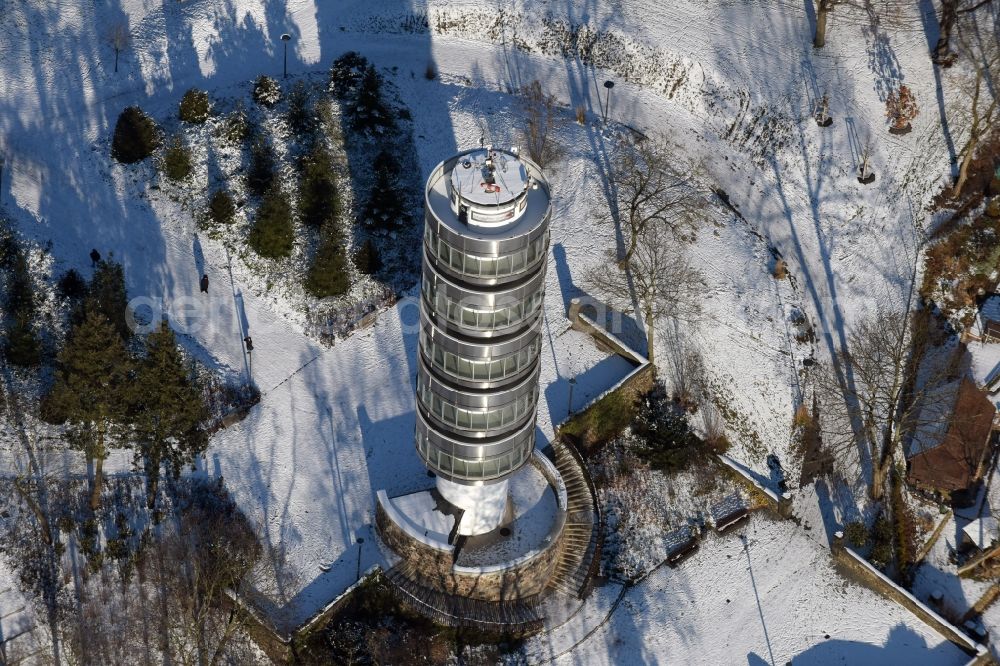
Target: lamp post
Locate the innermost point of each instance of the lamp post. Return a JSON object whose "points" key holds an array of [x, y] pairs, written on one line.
{"points": [[608, 85], [360, 541], [248, 342], [569, 408], [284, 38], [1, 176]]}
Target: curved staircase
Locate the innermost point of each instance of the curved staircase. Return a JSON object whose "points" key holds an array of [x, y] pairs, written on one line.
{"points": [[518, 616], [580, 555]]}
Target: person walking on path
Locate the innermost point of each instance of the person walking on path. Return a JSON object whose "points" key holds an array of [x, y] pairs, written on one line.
{"points": [[95, 257], [204, 283]]}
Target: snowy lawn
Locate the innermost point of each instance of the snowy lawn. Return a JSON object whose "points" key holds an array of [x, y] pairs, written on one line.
{"points": [[776, 599]]}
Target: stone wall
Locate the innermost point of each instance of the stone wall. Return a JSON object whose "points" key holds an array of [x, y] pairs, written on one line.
{"points": [[433, 567], [881, 584]]}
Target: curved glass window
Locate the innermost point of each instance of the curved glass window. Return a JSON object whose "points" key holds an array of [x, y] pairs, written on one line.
{"points": [[482, 319], [466, 418], [473, 265], [470, 469], [480, 369]]}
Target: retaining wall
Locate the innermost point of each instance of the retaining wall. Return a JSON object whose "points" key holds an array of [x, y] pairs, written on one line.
{"points": [[523, 577], [884, 586]]}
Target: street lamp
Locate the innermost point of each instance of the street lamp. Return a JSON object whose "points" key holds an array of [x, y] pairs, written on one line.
{"points": [[608, 85], [569, 409], [1, 176], [248, 342], [284, 38], [360, 541]]}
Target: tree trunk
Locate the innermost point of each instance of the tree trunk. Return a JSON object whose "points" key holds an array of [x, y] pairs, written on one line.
{"points": [[623, 264], [878, 481], [949, 12], [43, 520], [822, 10], [963, 171], [649, 337], [95, 492], [151, 486]]}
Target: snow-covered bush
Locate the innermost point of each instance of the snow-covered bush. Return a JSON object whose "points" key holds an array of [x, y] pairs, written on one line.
{"points": [[136, 136], [177, 160], [266, 91], [236, 127], [272, 234], [221, 208], [194, 107], [664, 435]]}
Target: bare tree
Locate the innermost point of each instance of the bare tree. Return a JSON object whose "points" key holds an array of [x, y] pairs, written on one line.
{"points": [[542, 120], [177, 604], [950, 12], [653, 190], [823, 9], [980, 49], [658, 282], [119, 38], [872, 398]]}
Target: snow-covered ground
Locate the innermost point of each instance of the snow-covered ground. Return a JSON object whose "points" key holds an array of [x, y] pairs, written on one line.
{"points": [[775, 599], [23, 639], [734, 84]]}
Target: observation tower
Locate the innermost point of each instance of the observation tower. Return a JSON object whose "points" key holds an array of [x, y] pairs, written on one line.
{"points": [[486, 239]]}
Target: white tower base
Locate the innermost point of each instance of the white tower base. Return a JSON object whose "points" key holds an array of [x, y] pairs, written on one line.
{"points": [[484, 506]]}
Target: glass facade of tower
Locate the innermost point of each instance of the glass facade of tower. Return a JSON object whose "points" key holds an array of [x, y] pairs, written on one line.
{"points": [[485, 246]]}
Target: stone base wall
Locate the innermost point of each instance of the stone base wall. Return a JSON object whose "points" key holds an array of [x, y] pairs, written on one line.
{"points": [[433, 568]]}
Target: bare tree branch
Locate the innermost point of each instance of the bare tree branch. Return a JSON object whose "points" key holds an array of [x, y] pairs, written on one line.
{"points": [[659, 281], [652, 189]]}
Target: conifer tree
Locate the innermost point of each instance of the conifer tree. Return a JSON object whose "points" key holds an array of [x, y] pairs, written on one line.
{"points": [[370, 113], [328, 275], [168, 411], [177, 160], [301, 115], [272, 233], [194, 106], [386, 207], [346, 73], [22, 347], [367, 259], [319, 201], [108, 297], [90, 392], [221, 207], [260, 176], [136, 136]]}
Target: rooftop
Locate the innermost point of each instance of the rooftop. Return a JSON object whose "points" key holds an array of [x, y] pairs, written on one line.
{"points": [[983, 531], [489, 177], [519, 195]]}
